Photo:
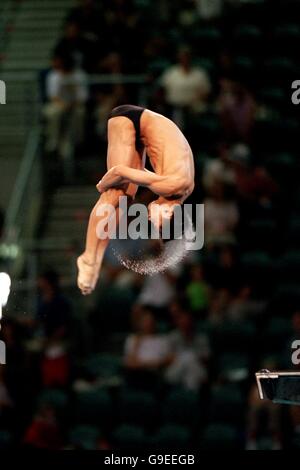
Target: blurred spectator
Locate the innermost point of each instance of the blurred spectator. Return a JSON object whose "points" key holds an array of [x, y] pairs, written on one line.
{"points": [[221, 216], [186, 86], [209, 9], [6, 402], [44, 432], [54, 313], [252, 182], [54, 310], [190, 351], [243, 306], [223, 271], [89, 17], [218, 170], [197, 290], [67, 93], [159, 290], [237, 109], [83, 51], [218, 308], [109, 96], [146, 349]]}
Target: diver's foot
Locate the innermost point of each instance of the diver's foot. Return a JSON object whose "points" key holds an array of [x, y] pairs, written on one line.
{"points": [[87, 275]]}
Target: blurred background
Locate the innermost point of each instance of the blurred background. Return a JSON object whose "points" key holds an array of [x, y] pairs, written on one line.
{"points": [[166, 361]]}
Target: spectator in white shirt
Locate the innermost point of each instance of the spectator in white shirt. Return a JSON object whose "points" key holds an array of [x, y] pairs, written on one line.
{"points": [[146, 350], [209, 9], [185, 85], [67, 93], [190, 352], [221, 216]]}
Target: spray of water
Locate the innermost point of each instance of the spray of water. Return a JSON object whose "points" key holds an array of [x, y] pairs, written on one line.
{"points": [[172, 253]]}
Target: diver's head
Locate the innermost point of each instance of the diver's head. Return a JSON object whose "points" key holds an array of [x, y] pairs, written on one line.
{"points": [[162, 215]]}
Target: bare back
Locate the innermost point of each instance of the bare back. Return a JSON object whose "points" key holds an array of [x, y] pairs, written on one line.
{"points": [[169, 151]]}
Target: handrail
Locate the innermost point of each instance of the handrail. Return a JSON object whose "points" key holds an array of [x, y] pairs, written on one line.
{"points": [[92, 79], [10, 228]]}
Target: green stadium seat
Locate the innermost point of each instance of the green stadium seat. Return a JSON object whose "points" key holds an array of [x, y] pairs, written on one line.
{"points": [[288, 267], [233, 367], [260, 233], [84, 437], [172, 436], [115, 305], [293, 235], [56, 398], [219, 437], [227, 404], [274, 97], [276, 134], [128, 437], [182, 407], [206, 64], [286, 299], [207, 126], [206, 38], [285, 37], [256, 265], [244, 65], [277, 333], [103, 365], [278, 69], [5, 440], [233, 336], [137, 407], [282, 166], [247, 37], [158, 66], [93, 407]]}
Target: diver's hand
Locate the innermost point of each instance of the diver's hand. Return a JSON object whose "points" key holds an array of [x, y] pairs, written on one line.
{"points": [[111, 179]]}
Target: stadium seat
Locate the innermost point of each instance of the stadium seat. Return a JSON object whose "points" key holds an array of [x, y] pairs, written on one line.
{"points": [[206, 125], [278, 70], [274, 98], [244, 66], [206, 39], [275, 134], [115, 303], [158, 66], [84, 437], [233, 336], [56, 398], [103, 366], [206, 64], [5, 440], [233, 367], [288, 267], [93, 407], [227, 404], [247, 38], [219, 437], [282, 167], [293, 235], [257, 269], [136, 407], [261, 235], [285, 37], [286, 299], [277, 333], [182, 407], [171, 436], [128, 437]]}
